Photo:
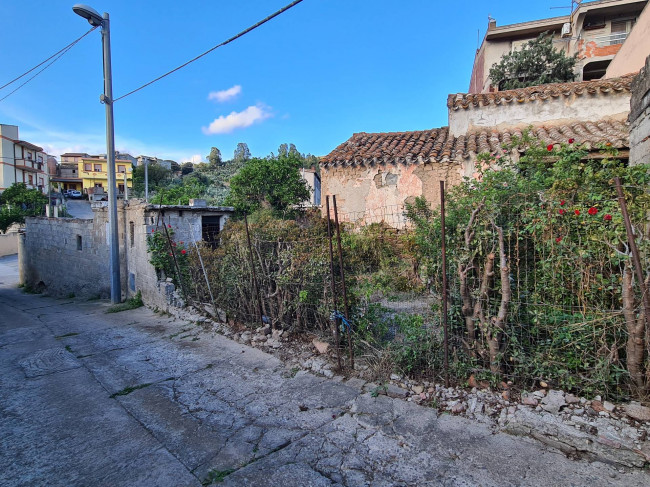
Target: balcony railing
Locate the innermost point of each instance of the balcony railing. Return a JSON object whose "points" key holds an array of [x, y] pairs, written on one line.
{"points": [[608, 39]]}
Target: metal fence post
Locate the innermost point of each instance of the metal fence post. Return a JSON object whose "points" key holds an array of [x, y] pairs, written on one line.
{"points": [[444, 281]]}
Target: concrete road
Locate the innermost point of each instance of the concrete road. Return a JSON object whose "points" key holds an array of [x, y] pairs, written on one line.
{"points": [[79, 208], [139, 399]]}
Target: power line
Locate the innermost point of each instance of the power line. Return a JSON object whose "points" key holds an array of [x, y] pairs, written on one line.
{"points": [[237, 36], [40, 64], [61, 53]]}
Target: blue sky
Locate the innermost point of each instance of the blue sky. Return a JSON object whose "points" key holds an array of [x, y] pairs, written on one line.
{"points": [[313, 76]]}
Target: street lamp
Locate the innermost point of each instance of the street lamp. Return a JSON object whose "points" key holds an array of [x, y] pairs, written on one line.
{"points": [[96, 20]]}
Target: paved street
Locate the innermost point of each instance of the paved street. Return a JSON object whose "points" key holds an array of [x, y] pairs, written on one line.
{"points": [[79, 208], [139, 399]]}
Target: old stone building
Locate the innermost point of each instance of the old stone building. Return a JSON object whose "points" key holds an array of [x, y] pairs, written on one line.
{"points": [[71, 256], [374, 175]]}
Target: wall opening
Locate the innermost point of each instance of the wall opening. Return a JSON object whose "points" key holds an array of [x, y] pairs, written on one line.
{"points": [[595, 70], [79, 243], [131, 233], [210, 229]]}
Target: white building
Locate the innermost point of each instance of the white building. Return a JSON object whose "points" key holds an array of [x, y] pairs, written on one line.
{"points": [[21, 162]]}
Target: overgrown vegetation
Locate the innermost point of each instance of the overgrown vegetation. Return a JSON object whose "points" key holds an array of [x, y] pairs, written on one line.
{"points": [[131, 303], [537, 62]]}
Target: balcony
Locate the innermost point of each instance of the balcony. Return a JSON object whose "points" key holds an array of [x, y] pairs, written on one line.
{"points": [[607, 39]]}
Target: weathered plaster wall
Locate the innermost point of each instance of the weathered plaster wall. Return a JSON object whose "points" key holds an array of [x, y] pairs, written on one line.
{"points": [[640, 117], [561, 110], [371, 193], [8, 243]]}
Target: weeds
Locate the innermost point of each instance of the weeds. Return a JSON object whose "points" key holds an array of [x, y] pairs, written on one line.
{"points": [[132, 303]]}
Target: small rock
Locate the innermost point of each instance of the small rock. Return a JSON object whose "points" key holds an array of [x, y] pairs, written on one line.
{"points": [[540, 394], [529, 401], [553, 402], [394, 377], [571, 399], [604, 414], [394, 391], [322, 347], [609, 407], [636, 411], [458, 408], [327, 373], [597, 406], [543, 384], [472, 382], [505, 395], [417, 389]]}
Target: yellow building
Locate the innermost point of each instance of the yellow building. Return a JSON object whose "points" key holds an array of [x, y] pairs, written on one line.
{"points": [[94, 175]]}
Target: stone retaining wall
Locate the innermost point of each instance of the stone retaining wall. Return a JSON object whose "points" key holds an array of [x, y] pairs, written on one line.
{"points": [[640, 117]]}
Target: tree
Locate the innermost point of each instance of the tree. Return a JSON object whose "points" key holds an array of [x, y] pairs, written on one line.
{"points": [[214, 158], [536, 63], [242, 153], [17, 202], [158, 176], [273, 182], [186, 168]]}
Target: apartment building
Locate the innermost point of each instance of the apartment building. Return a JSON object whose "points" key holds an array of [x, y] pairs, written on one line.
{"points": [[594, 31], [93, 172], [21, 161]]}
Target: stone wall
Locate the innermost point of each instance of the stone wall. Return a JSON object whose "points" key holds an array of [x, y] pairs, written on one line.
{"points": [[375, 193], [640, 117], [71, 256], [8, 243]]}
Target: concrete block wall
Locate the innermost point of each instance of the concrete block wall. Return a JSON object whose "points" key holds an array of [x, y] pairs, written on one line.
{"points": [[65, 256], [640, 117]]}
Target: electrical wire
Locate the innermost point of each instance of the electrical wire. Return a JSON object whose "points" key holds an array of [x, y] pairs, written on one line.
{"points": [[53, 55], [228, 41], [60, 55]]}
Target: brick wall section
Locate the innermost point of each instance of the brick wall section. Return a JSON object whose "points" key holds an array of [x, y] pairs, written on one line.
{"points": [[640, 117]]}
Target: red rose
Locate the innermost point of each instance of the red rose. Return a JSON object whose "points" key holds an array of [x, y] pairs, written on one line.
{"points": [[183, 252], [558, 240], [153, 230], [593, 210], [549, 147], [577, 212], [170, 254], [571, 141], [562, 203], [169, 226], [562, 212], [607, 217]]}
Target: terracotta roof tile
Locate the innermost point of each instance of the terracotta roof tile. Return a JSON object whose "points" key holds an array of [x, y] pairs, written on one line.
{"points": [[436, 145], [541, 92]]}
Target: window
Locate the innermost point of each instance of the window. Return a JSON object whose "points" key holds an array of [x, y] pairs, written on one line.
{"points": [[88, 167], [98, 168], [29, 156], [79, 243], [40, 181], [131, 233], [121, 169], [39, 158], [31, 179], [619, 32]]}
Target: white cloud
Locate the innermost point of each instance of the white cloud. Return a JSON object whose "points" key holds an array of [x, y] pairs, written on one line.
{"points": [[225, 95], [238, 120]]}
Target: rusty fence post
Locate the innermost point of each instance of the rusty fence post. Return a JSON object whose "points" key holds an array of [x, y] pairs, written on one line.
{"points": [[343, 286], [444, 281], [333, 283], [634, 250], [258, 298]]}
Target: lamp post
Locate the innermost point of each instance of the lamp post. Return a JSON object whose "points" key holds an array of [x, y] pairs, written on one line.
{"points": [[94, 19]]}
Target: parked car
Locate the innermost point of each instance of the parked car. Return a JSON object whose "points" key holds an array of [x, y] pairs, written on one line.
{"points": [[74, 194]]}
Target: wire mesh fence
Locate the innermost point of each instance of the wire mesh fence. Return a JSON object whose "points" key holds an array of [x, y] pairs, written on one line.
{"points": [[538, 289]]}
